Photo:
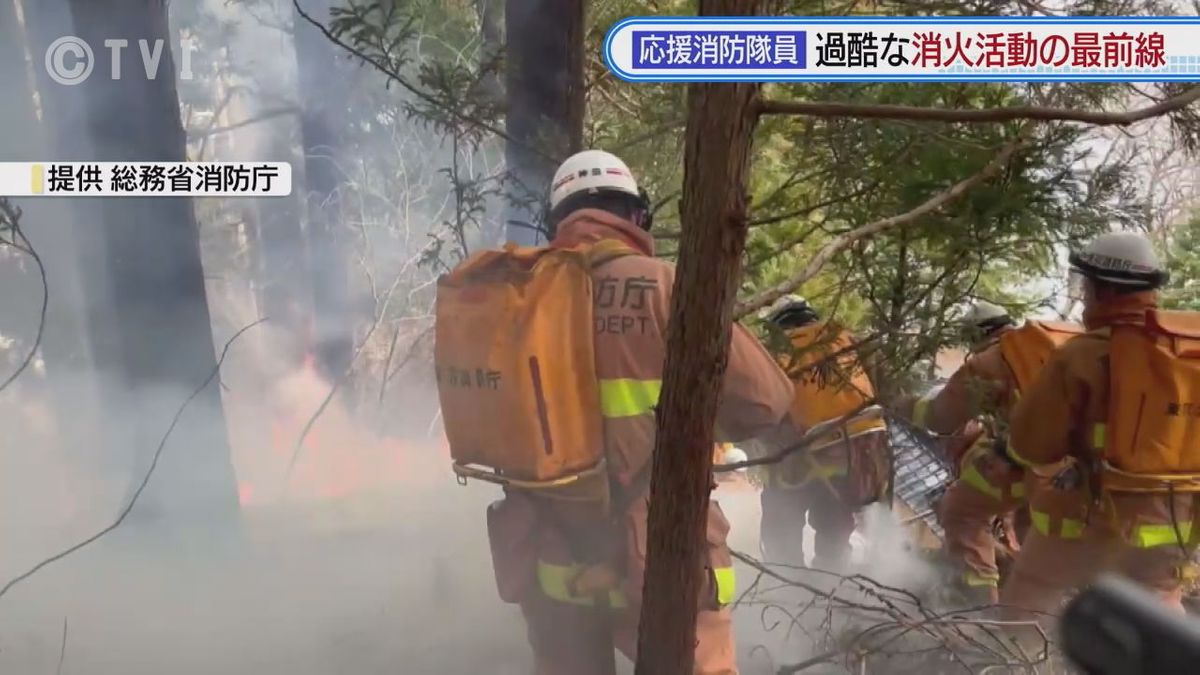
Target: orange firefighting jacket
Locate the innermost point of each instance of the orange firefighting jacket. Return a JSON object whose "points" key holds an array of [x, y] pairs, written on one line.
{"points": [[632, 300], [1056, 417], [983, 385], [631, 305], [830, 383], [1063, 416]]}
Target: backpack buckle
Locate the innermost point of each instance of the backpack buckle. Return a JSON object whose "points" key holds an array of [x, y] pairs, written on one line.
{"points": [[1188, 572]]}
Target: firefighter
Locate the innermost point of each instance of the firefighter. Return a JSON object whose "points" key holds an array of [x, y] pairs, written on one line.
{"points": [[594, 198], [974, 406], [826, 483], [1116, 407]]}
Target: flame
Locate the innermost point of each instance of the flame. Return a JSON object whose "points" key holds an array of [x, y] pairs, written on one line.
{"points": [[339, 458]]}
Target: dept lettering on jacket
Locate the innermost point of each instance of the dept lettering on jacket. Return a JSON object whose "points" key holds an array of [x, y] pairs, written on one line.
{"points": [[621, 324], [628, 298], [467, 378], [633, 292], [1178, 409]]}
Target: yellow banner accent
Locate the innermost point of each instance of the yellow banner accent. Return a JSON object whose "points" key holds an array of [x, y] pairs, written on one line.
{"points": [[36, 180]]}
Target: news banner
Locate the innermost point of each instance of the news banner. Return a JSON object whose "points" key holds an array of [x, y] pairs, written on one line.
{"points": [[912, 49], [747, 49], [145, 179]]}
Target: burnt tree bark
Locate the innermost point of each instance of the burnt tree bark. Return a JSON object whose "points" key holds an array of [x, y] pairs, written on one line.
{"points": [[324, 96], [53, 224], [720, 127], [20, 305], [153, 344], [282, 271], [491, 54], [545, 96]]}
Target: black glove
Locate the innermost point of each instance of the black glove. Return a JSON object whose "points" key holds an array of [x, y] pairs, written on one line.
{"points": [[1000, 449], [1070, 478]]}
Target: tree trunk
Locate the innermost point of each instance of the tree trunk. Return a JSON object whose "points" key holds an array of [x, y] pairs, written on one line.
{"points": [[544, 86], [720, 128], [491, 52], [281, 271], [55, 131], [324, 99], [155, 345], [20, 304]]}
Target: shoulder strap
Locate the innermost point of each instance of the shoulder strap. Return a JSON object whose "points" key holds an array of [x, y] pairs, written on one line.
{"points": [[607, 250]]}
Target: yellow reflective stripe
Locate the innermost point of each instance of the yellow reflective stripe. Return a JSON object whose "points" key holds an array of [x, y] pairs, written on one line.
{"points": [[1098, 433], [726, 583], [921, 412], [1149, 536], [1070, 528], [1041, 522], [972, 477], [1014, 456], [970, 578], [1017, 490], [554, 581], [825, 471], [628, 398]]}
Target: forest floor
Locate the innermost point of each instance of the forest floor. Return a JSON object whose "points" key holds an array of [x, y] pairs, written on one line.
{"points": [[410, 592]]}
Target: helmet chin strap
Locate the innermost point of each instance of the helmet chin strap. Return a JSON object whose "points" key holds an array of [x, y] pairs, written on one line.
{"points": [[646, 217]]}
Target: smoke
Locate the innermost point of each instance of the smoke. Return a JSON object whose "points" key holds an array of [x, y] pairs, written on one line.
{"points": [[390, 576], [777, 623], [370, 558]]}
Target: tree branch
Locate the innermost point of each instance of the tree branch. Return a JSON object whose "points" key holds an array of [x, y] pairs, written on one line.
{"points": [[412, 89], [261, 117], [10, 219], [977, 115], [846, 239]]}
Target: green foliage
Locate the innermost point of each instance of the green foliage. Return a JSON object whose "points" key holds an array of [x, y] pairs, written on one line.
{"points": [[812, 179], [1183, 260]]}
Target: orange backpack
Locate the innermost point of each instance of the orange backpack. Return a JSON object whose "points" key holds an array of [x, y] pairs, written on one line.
{"points": [[515, 364], [1026, 349], [1154, 401], [829, 381]]}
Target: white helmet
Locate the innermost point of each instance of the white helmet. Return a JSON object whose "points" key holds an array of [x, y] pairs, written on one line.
{"points": [[591, 171], [735, 455], [985, 313], [790, 311], [1121, 258]]}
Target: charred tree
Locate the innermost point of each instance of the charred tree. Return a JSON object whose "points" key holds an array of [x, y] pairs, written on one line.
{"points": [[281, 271], [152, 339], [491, 53], [72, 247], [545, 102], [720, 127], [20, 304], [51, 127], [324, 96]]}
